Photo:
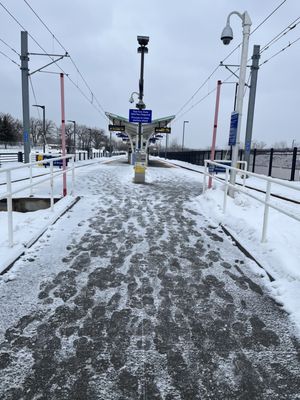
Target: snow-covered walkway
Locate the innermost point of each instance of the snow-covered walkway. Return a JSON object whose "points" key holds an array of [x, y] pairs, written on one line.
{"points": [[134, 295]]}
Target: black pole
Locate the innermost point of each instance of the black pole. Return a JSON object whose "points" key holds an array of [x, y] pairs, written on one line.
{"points": [[271, 162], [254, 158], [294, 164], [44, 129]]}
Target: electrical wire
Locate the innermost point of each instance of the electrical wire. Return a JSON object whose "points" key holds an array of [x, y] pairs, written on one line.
{"points": [[232, 51], [13, 61], [45, 52], [280, 51], [63, 47], [34, 96], [281, 34], [10, 47]]}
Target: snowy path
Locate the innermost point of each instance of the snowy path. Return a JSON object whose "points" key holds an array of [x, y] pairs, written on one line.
{"points": [[134, 296]]}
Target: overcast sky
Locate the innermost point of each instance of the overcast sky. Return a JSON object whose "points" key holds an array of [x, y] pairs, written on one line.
{"points": [[184, 49]]}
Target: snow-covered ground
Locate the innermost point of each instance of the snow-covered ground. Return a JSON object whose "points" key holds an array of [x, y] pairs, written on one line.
{"points": [[280, 255], [27, 227]]}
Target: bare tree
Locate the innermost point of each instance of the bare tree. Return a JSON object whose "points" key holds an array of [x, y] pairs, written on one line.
{"points": [[258, 145]]}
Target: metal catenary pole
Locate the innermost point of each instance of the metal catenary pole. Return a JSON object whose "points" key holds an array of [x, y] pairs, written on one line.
{"points": [[63, 132], [251, 103], [214, 137], [25, 94]]}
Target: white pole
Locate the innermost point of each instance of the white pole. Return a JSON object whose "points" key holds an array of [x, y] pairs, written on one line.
{"points": [[266, 212], [9, 209], [246, 21], [73, 176], [225, 191], [30, 174]]}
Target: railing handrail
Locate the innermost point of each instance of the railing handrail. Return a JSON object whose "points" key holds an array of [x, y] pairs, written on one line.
{"points": [[267, 199], [47, 160], [262, 177], [48, 177]]}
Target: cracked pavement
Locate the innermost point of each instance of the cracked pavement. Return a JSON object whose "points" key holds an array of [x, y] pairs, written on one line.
{"points": [[140, 297]]}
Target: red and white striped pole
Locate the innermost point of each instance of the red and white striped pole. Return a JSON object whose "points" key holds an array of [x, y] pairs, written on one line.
{"points": [[63, 132], [214, 137]]}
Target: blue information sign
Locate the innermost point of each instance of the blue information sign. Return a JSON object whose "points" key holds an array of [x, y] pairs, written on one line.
{"points": [[143, 116], [248, 146], [233, 128]]}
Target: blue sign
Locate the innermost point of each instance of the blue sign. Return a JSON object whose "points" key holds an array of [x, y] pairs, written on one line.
{"points": [[248, 146], [26, 136], [233, 128], [143, 116]]}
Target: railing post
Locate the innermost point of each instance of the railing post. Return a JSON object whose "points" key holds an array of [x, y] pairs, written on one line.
{"points": [[253, 162], [225, 191], [294, 163], [51, 186], [30, 174], [73, 176], [271, 162], [266, 212], [9, 209]]}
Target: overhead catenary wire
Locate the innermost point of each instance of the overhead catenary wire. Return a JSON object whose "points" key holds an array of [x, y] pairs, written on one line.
{"points": [[10, 47], [280, 51], [34, 96], [13, 61], [280, 35], [232, 52], [100, 111], [64, 48]]}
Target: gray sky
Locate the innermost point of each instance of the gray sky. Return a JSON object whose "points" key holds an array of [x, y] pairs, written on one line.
{"points": [[184, 49]]}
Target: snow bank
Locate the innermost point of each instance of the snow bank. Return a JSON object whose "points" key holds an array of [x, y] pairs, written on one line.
{"points": [[280, 255]]}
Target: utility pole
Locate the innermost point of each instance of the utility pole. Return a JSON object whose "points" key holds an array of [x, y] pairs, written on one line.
{"points": [[251, 103], [25, 94]]}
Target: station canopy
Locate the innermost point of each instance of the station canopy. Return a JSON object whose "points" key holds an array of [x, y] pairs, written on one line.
{"points": [[131, 128]]}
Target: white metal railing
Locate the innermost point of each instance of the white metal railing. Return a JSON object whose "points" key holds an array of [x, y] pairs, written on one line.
{"points": [[269, 181], [8, 195]]}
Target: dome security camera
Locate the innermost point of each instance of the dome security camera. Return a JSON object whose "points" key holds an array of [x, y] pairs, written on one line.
{"points": [[227, 35]]}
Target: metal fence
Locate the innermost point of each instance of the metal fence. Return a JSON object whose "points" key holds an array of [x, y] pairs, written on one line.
{"points": [[282, 164]]}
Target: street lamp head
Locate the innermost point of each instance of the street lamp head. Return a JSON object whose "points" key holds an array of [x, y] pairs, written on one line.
{"points": [[143, 40], [186, 122], [131, 100], [37, 105], [227, 34]]}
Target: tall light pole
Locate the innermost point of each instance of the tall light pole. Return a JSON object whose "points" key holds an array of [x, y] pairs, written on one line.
{"points": [[142, 49], [183, 129], [74, 133], [226, 37], [44, 125]]}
